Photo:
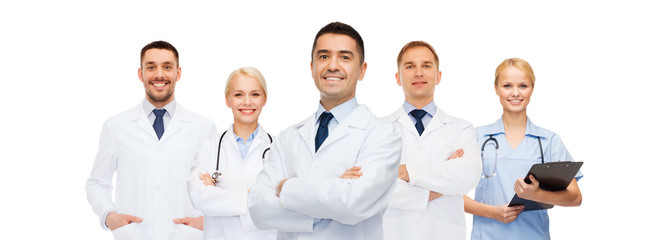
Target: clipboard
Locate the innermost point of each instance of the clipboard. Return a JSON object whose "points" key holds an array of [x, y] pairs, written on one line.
{"points": [[552, 176]]}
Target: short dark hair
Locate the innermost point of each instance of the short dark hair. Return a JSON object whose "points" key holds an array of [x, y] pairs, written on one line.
{"points": [[414, 44], [344, 29], [159, 45]]}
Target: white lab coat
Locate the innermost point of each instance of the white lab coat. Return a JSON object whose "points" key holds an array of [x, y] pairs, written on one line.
{"points": [[410, 215], [348, 209], [225, 205], [151, 174]]}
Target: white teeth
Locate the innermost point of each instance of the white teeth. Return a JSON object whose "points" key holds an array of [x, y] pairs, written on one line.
{"points": [[515, 101], [159, 84], [333, 78], [247, 111]]}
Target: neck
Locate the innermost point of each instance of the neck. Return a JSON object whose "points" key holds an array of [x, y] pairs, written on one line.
{"points": [[514, 121], [244, 130], [160, 104], [330, 103], [419, 103]]}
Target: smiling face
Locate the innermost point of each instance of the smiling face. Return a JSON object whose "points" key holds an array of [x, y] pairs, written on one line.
{"points": [[336, 68], [246, 98], [159, 73], [418, 75], [514, 89]]}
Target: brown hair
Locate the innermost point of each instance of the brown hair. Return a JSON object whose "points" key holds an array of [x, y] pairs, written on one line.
{"points": [[414, 44]]}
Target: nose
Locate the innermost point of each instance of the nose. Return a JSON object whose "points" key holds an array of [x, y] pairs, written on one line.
{"points": [[333, 65], [160, 73], [419, 71], [515, 92], [246, 100]]}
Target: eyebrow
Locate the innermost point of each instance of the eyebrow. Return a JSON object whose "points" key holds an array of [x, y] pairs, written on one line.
{"points": [[328, 51], [411, 62], [164, 63]]}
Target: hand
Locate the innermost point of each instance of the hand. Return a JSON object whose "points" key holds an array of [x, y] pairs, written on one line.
{"points": [[434, 195], [278, 188], [527, 191], [115, 220], [457, 154], [195, 222], [207, 179], [352, 173], [402, 173], [506, 214]]}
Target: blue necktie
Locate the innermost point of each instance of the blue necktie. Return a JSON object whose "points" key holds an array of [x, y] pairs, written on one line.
{"points": [[418, 115], [158, 125], [322, 131]]}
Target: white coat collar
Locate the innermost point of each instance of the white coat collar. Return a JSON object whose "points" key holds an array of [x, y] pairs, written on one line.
{"points": [[180, 116], [440, 119], [359, 118], [262, 135]]}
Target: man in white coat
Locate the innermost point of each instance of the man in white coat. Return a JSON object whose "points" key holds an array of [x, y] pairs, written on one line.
{"points": [[330, 176], [150, 149], [440, 155]]}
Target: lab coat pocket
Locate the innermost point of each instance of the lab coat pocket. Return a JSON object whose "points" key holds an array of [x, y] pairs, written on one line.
{"points": [[127, 232], [184, 232]]}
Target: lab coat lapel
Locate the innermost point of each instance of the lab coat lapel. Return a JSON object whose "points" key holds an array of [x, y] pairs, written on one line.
{"points": [[180, 117], [261, 136], [358, 119], [142, 121], [437, 121], [406, 122], [306, 130]]}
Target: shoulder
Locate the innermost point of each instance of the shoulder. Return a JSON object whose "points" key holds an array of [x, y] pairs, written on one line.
{"points": [[393, 117], [125, 116], [449, 119], [192, 116], [382, 126]]}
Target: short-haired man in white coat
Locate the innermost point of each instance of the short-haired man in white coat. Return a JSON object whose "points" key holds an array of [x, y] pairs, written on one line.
{"points": [[330, 176], [150, 149], [440, 155]]}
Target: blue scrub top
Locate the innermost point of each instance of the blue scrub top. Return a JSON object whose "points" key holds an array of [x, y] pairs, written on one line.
{"points": [[511, 165]]}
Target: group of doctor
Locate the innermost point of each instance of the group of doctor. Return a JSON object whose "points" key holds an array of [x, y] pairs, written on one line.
{"points": [[342, 173]]}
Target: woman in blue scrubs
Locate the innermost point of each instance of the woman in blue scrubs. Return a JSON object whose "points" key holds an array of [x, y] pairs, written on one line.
{"points": [[503, 171]]}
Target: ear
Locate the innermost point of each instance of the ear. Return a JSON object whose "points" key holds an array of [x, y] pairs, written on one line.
{"points": [[312, 70], [140, 75], [497, 90], [178, 72], [363, 67], [397, 78], [226, 100], [439, 77]]}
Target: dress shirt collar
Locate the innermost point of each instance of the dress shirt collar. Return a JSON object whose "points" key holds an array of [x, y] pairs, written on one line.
{"points": [[430, 108], [170, 108], [249, 138], [340, 112]]}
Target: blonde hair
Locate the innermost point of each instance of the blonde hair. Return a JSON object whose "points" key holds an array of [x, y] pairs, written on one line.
{"points": [[517, 63], [248, 72]]}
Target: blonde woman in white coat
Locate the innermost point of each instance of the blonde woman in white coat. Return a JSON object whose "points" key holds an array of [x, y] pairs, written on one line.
{"points": [[241, 150], [440, 156]]}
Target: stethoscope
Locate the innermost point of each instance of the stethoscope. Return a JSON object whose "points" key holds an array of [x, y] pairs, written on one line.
{"points": [[494, 140], [216, 175]]}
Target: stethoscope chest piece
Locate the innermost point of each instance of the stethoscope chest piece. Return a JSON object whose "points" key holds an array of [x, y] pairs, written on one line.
{"points": [[216, 177]]}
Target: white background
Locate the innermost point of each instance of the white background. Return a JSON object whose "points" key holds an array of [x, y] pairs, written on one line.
{"points": [[66, 66]]}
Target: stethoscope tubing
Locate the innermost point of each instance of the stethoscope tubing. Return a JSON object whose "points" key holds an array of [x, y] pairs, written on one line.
{"points": [[491, 138], [217, 173]]}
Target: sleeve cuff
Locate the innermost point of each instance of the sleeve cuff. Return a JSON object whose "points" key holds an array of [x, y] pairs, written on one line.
{"points": [[102, 219]]}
